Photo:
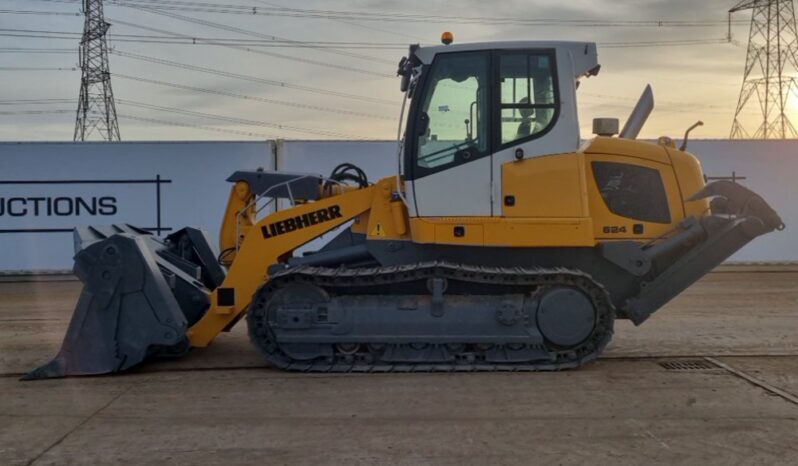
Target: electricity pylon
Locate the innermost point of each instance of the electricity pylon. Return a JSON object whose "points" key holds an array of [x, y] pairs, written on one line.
{"points": [[96, 108], [771, 68]]}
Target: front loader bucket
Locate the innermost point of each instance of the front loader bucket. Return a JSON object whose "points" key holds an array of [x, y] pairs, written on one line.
{"points": [[140, 294]]}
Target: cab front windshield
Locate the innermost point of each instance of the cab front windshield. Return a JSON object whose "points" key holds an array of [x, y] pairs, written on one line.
{"points": [[454, 115]]}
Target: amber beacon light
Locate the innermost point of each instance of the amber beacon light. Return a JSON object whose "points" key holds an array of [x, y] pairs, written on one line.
{"points": [[447, 38]]}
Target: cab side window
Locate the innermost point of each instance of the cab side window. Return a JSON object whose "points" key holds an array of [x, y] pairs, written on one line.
{"points": [[455, 115], [528, 95]]}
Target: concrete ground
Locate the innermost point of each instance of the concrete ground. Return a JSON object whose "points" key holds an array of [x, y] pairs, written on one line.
{"points": [[221, 406]]}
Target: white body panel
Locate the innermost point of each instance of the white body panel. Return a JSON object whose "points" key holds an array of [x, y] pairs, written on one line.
{"points": [[584, 53], [477, 185], [464, 190]]}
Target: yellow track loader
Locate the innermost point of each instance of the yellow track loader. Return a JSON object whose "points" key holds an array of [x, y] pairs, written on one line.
{"points": [[503, 243]]}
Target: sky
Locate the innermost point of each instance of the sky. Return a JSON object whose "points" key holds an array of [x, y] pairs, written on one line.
{"points": [[690, 82]]}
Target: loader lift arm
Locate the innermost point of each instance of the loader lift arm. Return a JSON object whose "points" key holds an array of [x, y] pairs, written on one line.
{"points": [[271, 239]]}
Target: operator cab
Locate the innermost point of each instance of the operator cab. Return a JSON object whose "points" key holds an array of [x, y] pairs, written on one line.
{"points": [[477, 106]]}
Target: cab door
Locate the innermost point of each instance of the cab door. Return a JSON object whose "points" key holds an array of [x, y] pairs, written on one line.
{"points": [[448, 161]]}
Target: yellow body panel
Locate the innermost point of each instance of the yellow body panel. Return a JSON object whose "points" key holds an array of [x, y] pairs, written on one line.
{"points": [[690, 178], [545, 187], [235, 228], [501, 231], [540, 232], [361, 223], [382, 219], [628, 148]]}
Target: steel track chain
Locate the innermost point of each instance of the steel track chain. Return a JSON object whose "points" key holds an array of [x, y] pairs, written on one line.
{"points": [[337, 279]]}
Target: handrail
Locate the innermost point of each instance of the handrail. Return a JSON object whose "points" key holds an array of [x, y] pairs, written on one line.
{"points": [[264, 194]]}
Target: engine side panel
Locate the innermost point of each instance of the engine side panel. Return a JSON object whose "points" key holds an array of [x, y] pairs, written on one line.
{"points": [[625, 191]]}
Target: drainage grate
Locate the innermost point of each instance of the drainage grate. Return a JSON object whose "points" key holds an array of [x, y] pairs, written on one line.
{"points": [[682, 365]]}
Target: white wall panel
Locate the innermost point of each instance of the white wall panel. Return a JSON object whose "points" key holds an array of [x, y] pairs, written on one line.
{"points": [[770, 169], [376, 158], [46, 189]]}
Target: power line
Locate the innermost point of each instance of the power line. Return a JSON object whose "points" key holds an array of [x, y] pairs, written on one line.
{"points": [[254, 98], [681, 107], [35, 50], [228, 74], [214, 92], [181, 39], [206, 7], [261, 52], [197, 40], [123, 116], [270, 37], [584, 104], [425, 18], [679, 79], [662, 43], [200, 127], [228, 94], [668, 106], [39, 13], [72, 37], [362, 26], [143, 119], [328, 47], [42, 31], [34, 112], [36, 101], [240, 121], [662, 105], [243, 77], [35, 68], [233, 43]]}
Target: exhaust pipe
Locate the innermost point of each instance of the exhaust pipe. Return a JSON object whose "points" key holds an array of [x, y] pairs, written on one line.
{"points": [[639, 115]]}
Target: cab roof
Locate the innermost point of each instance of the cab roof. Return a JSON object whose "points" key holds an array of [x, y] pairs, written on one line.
{"points": [[583, 54]]}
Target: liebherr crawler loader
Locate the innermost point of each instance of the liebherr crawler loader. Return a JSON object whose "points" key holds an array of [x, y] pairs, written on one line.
{"points": [[503, 243]]}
